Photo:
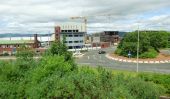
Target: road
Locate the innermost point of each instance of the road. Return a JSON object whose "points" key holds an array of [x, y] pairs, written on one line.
{"points": [[92, 58]]}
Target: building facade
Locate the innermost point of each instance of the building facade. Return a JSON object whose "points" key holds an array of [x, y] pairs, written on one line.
{"points": [[74, 34], [105, 39]]}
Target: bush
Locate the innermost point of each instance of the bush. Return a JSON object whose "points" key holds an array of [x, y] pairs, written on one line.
{"points": [[148, 40], [118, 51], [161, 79], [5, 54], [151, 53], [144, 90], [53, 78]]}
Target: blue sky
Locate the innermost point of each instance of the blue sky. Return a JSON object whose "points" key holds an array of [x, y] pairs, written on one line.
{"points": [[23, 16]]}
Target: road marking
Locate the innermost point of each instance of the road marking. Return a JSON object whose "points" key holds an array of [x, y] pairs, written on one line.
{"points": [[100, 57], [85, 63], [94, 57]]}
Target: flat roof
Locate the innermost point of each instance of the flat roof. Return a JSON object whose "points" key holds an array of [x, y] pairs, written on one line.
{"points": [[3, 42]]}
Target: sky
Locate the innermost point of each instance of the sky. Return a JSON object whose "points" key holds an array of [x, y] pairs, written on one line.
{"points": [[40, 16]]}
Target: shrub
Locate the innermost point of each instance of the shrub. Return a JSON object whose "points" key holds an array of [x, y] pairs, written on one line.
{"points": [[151, 53], [5, 54], [118, 51], [140, 89], [161, 79], [148, 40]]}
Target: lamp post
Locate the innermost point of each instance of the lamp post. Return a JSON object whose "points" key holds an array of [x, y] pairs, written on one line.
{"points": [[137, 67]]}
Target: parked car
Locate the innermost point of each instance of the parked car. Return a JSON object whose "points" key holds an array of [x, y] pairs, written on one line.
{"points": [[101, 52]]}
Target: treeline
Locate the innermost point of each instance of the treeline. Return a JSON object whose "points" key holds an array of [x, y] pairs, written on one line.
{"points": [[56, 75], [149, 43]]}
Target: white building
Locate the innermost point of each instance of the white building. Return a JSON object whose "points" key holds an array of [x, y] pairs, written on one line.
{"points": [[74, 34]]}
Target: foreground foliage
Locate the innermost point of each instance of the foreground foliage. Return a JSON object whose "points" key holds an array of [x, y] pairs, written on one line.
{"points": [[57, 76], [53, 77]]}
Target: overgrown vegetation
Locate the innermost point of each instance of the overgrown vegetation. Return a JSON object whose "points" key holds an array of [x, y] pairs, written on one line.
{"points": [[57, 76], [149, 45]]}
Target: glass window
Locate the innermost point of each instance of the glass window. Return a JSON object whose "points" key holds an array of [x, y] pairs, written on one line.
{"points": [[75, 35], [70, 47], [76, 41], [70, 41]]}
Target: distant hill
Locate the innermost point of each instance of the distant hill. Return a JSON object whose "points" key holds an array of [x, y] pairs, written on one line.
{"points": [[121, 34], [21, 35]]}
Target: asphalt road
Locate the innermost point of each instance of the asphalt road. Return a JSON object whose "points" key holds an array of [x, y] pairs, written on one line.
{"points": [[92, 58]]}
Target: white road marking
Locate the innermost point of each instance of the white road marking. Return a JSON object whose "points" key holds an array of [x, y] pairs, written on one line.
{"points": [[85, 63], [100, 57], [94, 57], [88, 57]]}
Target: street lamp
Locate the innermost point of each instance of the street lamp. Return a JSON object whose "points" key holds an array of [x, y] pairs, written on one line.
{"points": [[138, 52]]}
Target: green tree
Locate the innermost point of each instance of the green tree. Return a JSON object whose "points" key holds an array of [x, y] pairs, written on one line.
{"points": [[24, 53], [149, 42]]}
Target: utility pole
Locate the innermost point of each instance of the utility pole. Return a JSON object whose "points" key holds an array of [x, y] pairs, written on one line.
{"points": [[138, 52]]}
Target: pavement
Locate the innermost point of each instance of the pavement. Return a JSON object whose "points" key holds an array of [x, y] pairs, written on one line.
{"points": [[134, 61], [92, 58]]}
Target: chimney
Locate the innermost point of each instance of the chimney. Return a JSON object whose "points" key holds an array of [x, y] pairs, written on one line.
{"points": [[35, 38], [57, 33], [35, 41]]}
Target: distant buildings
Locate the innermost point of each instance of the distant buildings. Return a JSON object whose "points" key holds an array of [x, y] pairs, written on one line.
{"points": [[104, 39], [10, 46]]}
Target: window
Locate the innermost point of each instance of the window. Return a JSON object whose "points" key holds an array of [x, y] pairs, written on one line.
{"points": [[69, 30], [75, 35], [81, 41], [70, 41], [76, 41], [70, 35], [70, 47]]}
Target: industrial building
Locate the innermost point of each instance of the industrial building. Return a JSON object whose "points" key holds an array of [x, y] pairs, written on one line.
{"points": [[104, 39], [10, 46]]}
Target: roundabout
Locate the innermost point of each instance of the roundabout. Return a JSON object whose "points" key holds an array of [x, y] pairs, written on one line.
{"points": [[93, 59], [159, 60]]}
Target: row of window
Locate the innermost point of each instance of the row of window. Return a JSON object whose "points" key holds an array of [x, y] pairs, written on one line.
{"points": [[69, 31], [12, 46], [73, 35], [74, 47], [73, 41]]}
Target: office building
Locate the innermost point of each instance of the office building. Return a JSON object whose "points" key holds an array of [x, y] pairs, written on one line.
{"points": [[74, 34]]}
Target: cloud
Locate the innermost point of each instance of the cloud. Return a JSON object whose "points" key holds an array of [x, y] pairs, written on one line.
{"points": [[42, 15]]}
